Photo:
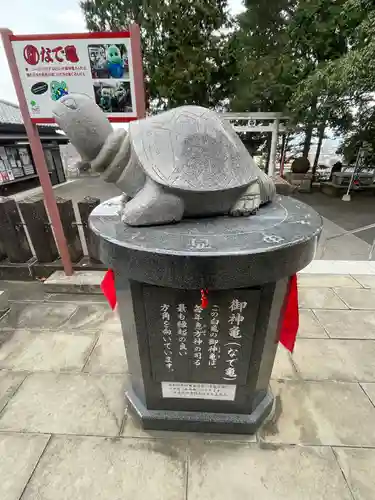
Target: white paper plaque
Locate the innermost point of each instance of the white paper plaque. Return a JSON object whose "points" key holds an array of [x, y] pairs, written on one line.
{"points": [[186, 390]]}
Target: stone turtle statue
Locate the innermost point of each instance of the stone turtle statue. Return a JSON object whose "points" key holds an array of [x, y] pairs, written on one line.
{"points": [[185, 162]]}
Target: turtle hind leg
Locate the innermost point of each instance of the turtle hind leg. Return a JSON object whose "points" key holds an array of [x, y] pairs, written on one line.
{"points": [[248, 203], [152, 205]]}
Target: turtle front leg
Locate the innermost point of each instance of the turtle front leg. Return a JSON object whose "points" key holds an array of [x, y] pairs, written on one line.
{"points": [[152, 205], [248, 203]]}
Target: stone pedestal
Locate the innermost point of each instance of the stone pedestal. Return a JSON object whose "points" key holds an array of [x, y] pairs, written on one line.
{"points": [[301, 182], [344, 178], [194, 368]]}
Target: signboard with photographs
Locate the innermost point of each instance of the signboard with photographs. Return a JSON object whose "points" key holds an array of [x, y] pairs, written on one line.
{"points": [[96, 64]]}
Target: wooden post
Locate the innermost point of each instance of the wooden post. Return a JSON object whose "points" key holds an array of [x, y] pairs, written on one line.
{"points": [[69, 223], [36, 219], [85, 207], [2, 249], [139, 88], [12, 232]]}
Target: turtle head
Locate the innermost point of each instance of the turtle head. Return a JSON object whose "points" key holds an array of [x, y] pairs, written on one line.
{"points": [[83, 122]]}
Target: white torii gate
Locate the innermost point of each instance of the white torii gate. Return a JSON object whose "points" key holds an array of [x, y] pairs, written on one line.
{"points": [[251, 124]]}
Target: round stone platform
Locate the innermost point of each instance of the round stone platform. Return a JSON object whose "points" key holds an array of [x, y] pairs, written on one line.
{"points": [[217, 252]]}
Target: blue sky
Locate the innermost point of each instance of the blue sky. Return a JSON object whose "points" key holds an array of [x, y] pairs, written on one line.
{"points": [[44, 16]]}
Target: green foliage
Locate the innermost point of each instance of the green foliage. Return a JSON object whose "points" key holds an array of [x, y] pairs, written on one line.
{"points": [[312, 59], [186, 52], [362, 134], [266, 72], [109, 15], [315, 30], [351, 74], [187, 60]]}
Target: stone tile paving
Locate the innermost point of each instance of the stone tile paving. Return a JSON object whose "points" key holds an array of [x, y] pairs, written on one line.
{"points": [[65, 432], [321, 298], [347, 324]]}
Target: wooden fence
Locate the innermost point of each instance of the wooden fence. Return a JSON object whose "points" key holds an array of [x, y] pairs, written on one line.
{"points": [[27, 243]]}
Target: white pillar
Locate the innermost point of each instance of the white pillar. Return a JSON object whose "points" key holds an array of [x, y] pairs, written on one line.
{"points": [[275, 138]]}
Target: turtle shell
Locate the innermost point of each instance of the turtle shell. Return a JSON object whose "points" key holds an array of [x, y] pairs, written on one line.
{"points": [[192, 149]]}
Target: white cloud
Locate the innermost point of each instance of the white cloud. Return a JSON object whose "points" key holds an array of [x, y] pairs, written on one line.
{"points": [[72, 18]]}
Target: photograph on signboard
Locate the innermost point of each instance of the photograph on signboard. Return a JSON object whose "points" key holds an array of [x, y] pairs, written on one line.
{"points": [[113, 97], [109, 61]]}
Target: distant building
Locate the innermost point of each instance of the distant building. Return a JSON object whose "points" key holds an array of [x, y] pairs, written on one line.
{"points": [[16, 161]]}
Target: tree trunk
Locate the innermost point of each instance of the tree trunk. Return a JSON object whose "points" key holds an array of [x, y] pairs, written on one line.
{"points": [[307, 142], [309, 130], [283, 142], [320, 142], [321, 131], [284, 149], [269, 139]]}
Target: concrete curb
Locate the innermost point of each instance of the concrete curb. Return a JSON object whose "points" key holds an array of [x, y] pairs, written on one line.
{"points": [[356, 267], [81, 282], [4, 301]]}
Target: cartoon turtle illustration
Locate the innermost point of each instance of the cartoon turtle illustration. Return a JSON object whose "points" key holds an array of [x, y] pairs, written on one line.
{"points": [[58, 90], [115, 63], [185, 162]]}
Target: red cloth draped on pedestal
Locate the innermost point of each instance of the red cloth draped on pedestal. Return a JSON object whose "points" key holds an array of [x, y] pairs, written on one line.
{"points": [[290, 319], [109, 289]]}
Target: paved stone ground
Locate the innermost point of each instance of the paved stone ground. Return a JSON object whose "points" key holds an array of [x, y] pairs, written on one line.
{"points": [[344, 247], [65, 432], [359, 212]]}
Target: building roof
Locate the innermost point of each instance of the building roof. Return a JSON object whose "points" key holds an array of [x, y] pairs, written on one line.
{"points": [[12, 127], [10, 113]]}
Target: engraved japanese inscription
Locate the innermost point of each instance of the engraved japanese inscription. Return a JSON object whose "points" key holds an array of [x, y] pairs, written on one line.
{"points": [[189, 343]]}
